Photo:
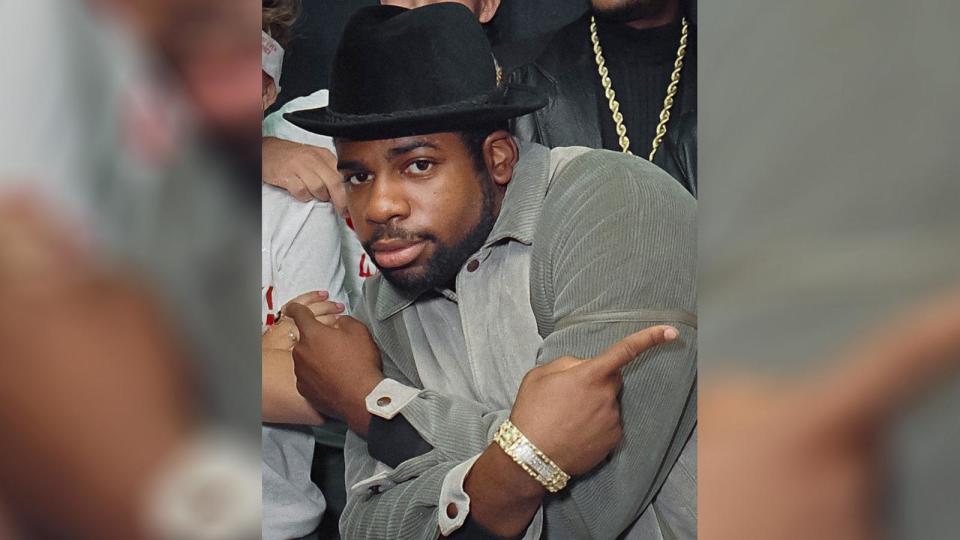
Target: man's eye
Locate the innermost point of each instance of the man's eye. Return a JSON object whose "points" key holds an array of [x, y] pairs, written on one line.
{"points": [[420, 166], [358, 178]]}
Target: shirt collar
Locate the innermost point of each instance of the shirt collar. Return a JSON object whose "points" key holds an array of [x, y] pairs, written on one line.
{"points": [[517, 220], [521, 206]]}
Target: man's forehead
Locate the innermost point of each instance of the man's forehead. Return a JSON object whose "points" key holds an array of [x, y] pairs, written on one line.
{"points": [[396, 145]]}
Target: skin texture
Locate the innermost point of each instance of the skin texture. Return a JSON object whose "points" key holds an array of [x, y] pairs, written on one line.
{"points": [[483, 9], [281, 403], [424, 189], [307, 172]]}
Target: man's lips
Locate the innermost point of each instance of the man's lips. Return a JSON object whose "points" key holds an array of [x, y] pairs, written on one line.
{"points": [[394, 254]]}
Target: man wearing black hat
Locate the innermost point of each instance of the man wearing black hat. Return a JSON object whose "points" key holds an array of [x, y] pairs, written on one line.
{"points": [[499, 396]]}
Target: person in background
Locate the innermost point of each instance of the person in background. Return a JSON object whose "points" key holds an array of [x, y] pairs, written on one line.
{"points": [[622, 77], [305, 171], [300, 253]]}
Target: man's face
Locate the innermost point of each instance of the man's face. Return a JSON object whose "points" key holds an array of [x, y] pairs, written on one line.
{"points": [[628, 10], [419, 205]]}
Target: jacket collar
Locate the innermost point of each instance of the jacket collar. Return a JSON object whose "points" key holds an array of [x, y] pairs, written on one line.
{"points": [[518, 218]]}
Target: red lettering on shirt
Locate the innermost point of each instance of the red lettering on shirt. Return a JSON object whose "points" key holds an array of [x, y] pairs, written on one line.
{"points": [[364, 271]]}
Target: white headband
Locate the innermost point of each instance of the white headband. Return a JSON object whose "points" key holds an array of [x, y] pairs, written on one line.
{"points": [[271, 56]]}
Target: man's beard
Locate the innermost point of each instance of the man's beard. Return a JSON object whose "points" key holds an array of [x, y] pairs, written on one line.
{"points": [[630, 11], [442, 268]]}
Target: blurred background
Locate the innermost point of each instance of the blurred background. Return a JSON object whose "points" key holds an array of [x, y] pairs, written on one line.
{"points": [[828, 210], [129, 258]]}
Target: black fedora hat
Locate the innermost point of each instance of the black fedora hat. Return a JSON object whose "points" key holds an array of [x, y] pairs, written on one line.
{"points": [[400, 72]]}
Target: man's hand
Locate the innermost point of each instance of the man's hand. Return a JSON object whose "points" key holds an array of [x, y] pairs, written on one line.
{"points": [[307, 172], [570, 409], [336, 367]]}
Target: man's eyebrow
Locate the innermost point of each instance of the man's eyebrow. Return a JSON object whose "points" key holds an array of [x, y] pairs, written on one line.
{"points": [[413, 145], [349, 165]]}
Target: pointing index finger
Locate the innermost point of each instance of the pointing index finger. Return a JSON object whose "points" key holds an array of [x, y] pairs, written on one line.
{"points": [[627, 349]]}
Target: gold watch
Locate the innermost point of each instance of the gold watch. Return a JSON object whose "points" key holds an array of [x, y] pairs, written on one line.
{"points": [[530, 458]]}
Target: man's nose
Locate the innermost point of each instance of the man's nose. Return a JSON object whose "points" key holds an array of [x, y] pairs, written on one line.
{"points": [[387, 201]]}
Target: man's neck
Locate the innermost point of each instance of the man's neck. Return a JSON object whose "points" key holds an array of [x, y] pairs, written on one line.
{"points": [[667, 15]]}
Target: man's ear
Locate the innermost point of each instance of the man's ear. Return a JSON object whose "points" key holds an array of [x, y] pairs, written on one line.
{"points": [[269, 92], [500, 154], [488, 8]]}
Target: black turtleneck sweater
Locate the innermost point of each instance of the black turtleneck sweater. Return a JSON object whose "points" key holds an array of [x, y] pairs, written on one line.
{"points": [[640, 63]]}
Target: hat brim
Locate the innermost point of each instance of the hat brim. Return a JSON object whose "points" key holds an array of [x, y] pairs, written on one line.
{"points": [[509, 101]]}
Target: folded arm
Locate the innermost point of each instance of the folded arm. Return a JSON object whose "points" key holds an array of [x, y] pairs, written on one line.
{"points": [[623, 259]]}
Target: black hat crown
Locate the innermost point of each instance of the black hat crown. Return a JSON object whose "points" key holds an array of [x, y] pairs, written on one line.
{"points": [[401, 72]]}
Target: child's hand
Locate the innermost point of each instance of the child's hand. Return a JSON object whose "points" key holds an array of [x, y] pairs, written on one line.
{"points": [[283, 334]]}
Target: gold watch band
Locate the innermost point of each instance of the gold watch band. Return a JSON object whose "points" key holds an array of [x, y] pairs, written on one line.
{"points": [[530, 458]]}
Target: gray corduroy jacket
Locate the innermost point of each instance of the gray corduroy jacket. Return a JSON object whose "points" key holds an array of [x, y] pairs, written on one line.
{"points": [[589, 246]]}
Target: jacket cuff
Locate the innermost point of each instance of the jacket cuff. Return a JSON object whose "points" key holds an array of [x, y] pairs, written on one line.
{"points": [[387, 398], [454, 505], [391, 439]]}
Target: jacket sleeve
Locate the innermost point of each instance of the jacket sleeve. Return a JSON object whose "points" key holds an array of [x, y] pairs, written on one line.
{"points": [[609, 260], [623, 258]]}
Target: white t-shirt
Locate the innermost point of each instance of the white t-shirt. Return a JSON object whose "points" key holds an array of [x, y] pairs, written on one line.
{"points": [[301, 251], [292, 223], [306, 246]]}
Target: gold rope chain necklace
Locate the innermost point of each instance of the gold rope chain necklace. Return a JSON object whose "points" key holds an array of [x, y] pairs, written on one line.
{"points": [[612, 96]]}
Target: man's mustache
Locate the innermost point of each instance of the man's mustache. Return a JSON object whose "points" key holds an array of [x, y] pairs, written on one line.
{"points": [[390, 232]]}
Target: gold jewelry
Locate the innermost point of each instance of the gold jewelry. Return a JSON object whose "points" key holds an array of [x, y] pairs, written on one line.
{"points": [[530, 458], [612, 96]]}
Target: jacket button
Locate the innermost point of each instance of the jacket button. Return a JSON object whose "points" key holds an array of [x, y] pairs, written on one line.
{"points": [[452, 511], [473, 265], [384, 401]]}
